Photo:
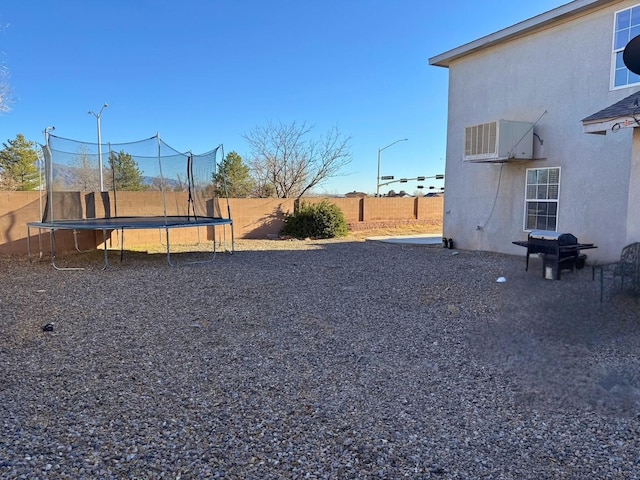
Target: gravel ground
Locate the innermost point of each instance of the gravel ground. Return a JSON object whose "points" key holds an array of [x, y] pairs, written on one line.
{"points": [[316, 359]]}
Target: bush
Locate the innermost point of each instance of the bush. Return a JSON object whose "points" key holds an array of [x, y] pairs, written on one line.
{"points": [[316, 220]]}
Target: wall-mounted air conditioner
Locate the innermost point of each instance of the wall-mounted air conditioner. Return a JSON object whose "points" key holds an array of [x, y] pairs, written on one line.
{"points": [[499, 141]]}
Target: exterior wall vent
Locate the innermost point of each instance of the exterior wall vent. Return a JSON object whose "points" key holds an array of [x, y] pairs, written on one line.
{"points": [[499, 141]]}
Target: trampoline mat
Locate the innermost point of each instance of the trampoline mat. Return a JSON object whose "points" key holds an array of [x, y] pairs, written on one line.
{"points": [[114, 223]]}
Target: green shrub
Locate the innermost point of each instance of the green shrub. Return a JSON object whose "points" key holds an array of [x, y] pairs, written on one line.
{"points": [[316, 220]]}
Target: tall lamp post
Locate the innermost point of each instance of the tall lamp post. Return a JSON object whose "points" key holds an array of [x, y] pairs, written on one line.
{"points": [[98, 115], [379, 152]]}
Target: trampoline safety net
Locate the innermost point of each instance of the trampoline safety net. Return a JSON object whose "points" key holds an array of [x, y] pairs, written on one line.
{"points": [[175, 183]]}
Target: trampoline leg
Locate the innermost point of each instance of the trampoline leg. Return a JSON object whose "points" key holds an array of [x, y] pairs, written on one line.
{"points": [[75, 240], [106, 252], [53, 254], [52, 248], [29, 243], [171, 263], [168, 247], [121, 245], [224, 238], [39, 243], [232, 238]]}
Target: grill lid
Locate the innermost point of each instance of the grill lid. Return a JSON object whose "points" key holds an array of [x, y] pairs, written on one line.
{"points": [[550, 236], [544, 235]]}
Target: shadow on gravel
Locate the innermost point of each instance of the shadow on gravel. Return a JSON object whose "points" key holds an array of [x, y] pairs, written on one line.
{"points": [[561, 347]]}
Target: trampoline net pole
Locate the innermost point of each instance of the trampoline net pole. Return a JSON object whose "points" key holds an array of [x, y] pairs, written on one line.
{"points": [[113, 181], [48, 172], [190, 186], [162, 190], [226, 191]]}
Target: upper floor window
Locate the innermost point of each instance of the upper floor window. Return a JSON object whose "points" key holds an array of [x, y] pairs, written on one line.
{"points": [[627, 26]]}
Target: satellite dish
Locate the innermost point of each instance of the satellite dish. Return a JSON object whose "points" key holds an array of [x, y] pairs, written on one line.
{"points": [[631, 55]]}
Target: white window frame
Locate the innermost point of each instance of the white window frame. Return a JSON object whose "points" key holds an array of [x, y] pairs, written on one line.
{"points": [[617, 52], [541, 196]]}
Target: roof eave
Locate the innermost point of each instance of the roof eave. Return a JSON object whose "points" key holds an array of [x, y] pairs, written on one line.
{"points": [[539, 22], [606, 125]]}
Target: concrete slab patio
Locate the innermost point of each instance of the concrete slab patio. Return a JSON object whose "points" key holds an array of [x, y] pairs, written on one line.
{"points": [[421, 239]]}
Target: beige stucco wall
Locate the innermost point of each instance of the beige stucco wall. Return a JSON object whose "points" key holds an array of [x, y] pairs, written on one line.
{"points": [[633, 203], [565, 72]]}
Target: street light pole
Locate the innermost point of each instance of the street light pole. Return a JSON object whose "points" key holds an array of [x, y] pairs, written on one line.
{"points": [[98, 115], [379, 152]]}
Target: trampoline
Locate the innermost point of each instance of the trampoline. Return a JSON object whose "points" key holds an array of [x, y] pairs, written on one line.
{"points": [[191, 199], [122, 224]]}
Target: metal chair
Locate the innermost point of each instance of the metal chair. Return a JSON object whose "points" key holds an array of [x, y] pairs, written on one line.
{"points": [[627, 268]]}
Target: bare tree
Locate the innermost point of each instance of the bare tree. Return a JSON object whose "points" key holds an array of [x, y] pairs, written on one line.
{"points": [[5, 91], [180, 184], [160, 183], [6, 96], [291, 163], [85, 165]]}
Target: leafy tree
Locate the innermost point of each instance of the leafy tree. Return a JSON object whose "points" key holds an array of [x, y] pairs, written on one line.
{"points": [[285, 158], [18, 165], [126, 174], [235, 176]]}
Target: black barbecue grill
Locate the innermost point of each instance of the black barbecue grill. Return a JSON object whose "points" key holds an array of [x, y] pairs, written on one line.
{"points": [[559, 251]]}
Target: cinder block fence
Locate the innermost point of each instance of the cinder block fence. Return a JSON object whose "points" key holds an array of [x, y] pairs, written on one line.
{"points": [[252, 217]]}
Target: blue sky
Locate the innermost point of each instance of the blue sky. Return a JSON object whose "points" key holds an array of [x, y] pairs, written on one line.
{"points": [[202, 73]]}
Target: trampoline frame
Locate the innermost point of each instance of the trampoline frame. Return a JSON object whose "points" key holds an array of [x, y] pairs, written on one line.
{"points": [[165, 223]]}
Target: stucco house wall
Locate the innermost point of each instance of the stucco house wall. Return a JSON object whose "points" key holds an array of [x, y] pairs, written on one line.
{"points": [[555, 76]]}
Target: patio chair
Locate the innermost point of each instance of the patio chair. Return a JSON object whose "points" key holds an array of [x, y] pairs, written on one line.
{"points": [[627, 268]]}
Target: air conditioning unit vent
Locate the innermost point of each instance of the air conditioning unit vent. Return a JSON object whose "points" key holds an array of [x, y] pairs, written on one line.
{"points": [[499, 141]]}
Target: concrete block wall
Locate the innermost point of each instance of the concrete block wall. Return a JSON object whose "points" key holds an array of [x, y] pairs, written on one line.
{"points": [[252, 217], [16, 209], [395, 210], [258, 217], [378, 209], [351, 207]]}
